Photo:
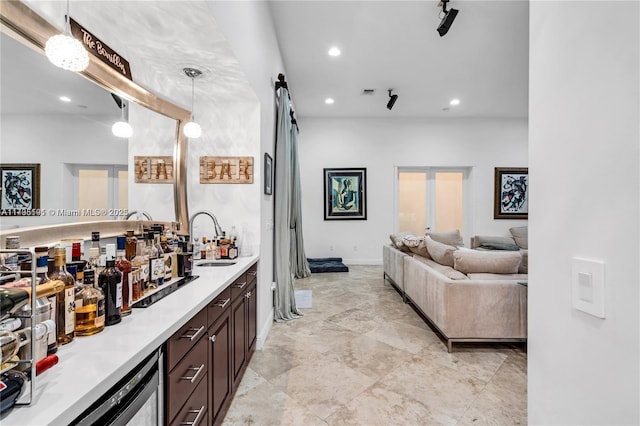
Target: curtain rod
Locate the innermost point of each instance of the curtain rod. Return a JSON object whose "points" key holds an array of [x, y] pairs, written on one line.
{"points": [[281, 83]]}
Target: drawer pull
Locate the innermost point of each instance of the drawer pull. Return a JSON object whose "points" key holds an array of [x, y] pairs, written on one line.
{"points": [[241, 285], [197, 419], [193, 378], [221, 303], [249, 295], [193, 336], [213, 338], [252, 273]]}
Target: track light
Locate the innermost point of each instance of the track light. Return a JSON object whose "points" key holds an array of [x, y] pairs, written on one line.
{"points": [[392, 100], [447, 20]]}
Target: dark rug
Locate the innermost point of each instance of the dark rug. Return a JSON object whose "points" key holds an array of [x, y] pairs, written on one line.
{"points": [[327, 264]]}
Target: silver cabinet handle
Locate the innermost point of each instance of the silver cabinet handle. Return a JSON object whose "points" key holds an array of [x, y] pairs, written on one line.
{"points": [[222, 304], [193, 336], [241, 285], [249, 295], [197, 419], [252, 273], [193, 378], [213, 338]]}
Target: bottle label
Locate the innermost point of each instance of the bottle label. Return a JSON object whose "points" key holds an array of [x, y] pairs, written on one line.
{"points": [[3, 386], [130, 285], [69, 311], [100, 314], [157, 269], [119, 294]]}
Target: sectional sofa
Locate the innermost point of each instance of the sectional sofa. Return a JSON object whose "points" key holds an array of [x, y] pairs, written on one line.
{"points": [[466, 295]]}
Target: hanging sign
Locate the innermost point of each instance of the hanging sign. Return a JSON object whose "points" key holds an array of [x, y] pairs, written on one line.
{"points": [[97, 48]]}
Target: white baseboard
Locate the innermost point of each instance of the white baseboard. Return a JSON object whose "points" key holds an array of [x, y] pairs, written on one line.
{"points": [[364, 262], [266, 329]]}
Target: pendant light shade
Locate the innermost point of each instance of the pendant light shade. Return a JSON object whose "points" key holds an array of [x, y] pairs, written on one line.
{"points": [[65, 51], [192, 129], [122, 129]]}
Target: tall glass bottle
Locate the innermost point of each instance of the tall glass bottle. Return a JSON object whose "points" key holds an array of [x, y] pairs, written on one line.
{"points": [[65, 303], [94, 261], [130, 245], [124, 266], [156, 263], [110, 282], [140, 263], [90, 307], [95, 243]]}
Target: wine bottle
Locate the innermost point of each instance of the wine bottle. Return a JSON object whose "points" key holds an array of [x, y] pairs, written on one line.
{"points": [[11, 384], [124, 266], [90, 307], [110, 282], [13, 299], [66, 316]]}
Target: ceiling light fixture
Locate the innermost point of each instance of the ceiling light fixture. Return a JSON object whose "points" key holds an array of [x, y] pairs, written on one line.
{"points": [[392, 100], [65, 51], [192, 129], [122, 128], [334, 51], [65, 98], [454, 102], [447, 19], [329, 101]]}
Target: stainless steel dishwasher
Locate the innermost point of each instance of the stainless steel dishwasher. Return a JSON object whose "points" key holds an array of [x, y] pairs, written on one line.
{"points": [[137, 399]]}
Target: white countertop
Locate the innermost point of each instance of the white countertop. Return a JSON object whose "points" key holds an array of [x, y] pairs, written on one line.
{"points": [[90, 365]]}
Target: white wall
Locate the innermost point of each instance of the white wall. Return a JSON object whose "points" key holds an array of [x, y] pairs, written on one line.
{"points": [[250, 32], [584, 162], [381, 144], [53, 141]]}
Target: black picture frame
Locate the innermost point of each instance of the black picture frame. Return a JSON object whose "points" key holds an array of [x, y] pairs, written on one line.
{"points": [[268, 174], [345, 193], [511, 193], [20, 189]]}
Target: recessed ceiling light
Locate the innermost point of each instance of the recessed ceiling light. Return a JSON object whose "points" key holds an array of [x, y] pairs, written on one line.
{"points": [[65, 98], [454, 102], [329, 101], [334, 51]]}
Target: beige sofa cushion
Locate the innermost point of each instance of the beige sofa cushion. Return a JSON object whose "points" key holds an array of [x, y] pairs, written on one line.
{"points": [[397, 241], [521, 235], [495, 262], [524, 265], [451, 238], [447, 271], [486, 276], [416, 245], [441, 253]]}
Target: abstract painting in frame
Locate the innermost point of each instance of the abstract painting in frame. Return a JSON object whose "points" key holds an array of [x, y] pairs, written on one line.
{"points": [[511, 199], [20, 192], [345, 194]]}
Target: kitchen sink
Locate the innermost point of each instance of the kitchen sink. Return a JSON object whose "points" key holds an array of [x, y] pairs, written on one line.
{"points": [[217, 263]]}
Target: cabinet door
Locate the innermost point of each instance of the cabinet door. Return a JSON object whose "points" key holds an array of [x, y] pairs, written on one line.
{"points": [[239, 323], [252, 305], [219, 364]]}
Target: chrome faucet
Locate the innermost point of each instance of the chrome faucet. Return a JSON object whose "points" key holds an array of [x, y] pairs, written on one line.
{"points": [[218, 229], [142, 212]]}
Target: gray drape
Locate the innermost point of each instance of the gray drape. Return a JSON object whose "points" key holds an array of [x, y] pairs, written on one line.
{"points": [[288, 225]]}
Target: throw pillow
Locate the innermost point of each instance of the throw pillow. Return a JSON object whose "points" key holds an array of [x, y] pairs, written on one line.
{"points": [[451, 238], [441, 253], [521, 235], [416, 245], [500, 246], [396, 240], [495, 262]]}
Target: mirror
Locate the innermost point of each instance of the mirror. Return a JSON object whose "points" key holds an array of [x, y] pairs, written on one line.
{"points": [[72, 141]]}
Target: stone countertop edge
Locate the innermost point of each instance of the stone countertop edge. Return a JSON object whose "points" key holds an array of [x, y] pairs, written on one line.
{"points": [[89, 366]]}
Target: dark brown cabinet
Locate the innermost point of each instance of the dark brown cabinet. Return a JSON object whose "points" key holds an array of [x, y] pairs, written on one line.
{"points": [[207, 357]]}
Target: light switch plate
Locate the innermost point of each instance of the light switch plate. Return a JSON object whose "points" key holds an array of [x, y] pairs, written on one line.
{"points": [[588, 286]]}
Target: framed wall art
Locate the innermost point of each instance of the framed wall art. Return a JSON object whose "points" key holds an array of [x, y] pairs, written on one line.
{"points": [[511, 199], [20, 192], [345, 194], [268, 174]]}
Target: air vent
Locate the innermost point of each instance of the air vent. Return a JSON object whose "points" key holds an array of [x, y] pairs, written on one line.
{"points": [[368, 92]]}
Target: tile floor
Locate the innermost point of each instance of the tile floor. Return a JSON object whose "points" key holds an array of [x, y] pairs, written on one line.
{"points": [[360, 356]]}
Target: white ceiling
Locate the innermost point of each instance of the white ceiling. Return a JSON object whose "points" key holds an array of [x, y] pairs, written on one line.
{"points": [[483, 60]]}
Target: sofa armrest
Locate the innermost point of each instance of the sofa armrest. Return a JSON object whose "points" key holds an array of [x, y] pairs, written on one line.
{"points": [[393, 264]]}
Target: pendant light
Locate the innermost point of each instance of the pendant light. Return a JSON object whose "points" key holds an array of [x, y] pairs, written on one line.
{"points": [[122, 128], [65, 51], [192, 129]]}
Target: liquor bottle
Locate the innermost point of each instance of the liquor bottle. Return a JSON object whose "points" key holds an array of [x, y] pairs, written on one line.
{"points": [[42, 259], [90, 307], [42, 264], [130, 245], [110, 282], [11, 384], [124, 266], [65, 300], [233, 249], [196, 248], [156, 263], [140, 263], [203, 248], [94, 261], [95, 243], [217, 253]]}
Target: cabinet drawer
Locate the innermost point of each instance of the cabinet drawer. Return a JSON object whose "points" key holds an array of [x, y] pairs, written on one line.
{"points": [[186, 376], [219, 305], [239, 286], [184, 339], [194, 411], [252, 273]]}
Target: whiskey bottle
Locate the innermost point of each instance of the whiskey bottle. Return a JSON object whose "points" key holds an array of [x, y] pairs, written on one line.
{"points": [[156, 262], [90, 307], [110, 282], [65, 299], [124, 266], [131, 245], [140, 263]]}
